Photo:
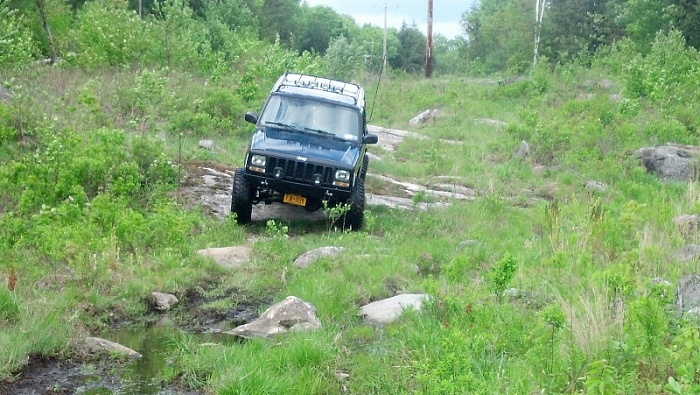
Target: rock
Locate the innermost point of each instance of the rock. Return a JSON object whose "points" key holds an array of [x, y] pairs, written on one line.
{"points": [[389, 310], [595, 186], [306, 259], [291, 314], [490, 122], [463, 245], [423, 117], [658, 281], [5, 94], [206, 144], [687, 224], [524, 150], [228, 257], [162, 301], [671, 162], [512, 80], [688, 253], [390, 138], [96, 345], [374, 157], [688, 293]]}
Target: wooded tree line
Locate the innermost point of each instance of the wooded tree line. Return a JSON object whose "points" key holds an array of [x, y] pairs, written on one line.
{"points": [[499, 34], [130, 30]]}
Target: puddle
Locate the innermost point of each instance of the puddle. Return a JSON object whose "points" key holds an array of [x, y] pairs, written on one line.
{"points": [[158, 344]]}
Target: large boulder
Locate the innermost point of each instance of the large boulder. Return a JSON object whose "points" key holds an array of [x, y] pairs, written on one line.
{"points": [[688, 294], [306, 259], [162, 301], [289, 315], [389, 310], [671, 162], [425, 116]]}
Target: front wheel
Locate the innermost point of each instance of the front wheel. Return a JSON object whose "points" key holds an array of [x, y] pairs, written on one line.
{"points": [[242, 198], [355, 216], [365, 165]]}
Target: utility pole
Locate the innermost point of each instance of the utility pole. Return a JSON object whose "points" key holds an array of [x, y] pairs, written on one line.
{"points": [[384, 46], [429, 46]]}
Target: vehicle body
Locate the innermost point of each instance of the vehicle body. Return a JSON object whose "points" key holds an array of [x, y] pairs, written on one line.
{"points": [[309, 149]]}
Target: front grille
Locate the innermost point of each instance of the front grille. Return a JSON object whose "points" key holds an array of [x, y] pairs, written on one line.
{"points": [[301, 171]]}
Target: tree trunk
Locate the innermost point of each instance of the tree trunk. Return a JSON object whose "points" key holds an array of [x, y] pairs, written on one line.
{"points": [[539, 15], [41, 6]]}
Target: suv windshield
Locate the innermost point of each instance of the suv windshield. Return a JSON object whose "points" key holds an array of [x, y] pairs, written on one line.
{"points": [[312, 116]]}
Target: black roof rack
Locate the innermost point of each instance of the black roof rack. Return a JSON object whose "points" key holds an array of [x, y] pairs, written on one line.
{"points": [[346, 89]]}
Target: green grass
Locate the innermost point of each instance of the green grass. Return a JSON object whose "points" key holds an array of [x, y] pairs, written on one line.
{"points": [[584, 311]]}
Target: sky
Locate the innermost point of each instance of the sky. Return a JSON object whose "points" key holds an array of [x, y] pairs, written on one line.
{"points": [[446, 13]]}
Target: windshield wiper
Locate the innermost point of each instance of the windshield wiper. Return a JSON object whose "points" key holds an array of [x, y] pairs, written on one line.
{"points": [[283, 125], [319, 131], [327, 133]]}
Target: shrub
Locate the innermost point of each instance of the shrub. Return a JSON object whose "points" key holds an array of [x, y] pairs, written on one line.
{"points": [[108, 33], [17, 47]]}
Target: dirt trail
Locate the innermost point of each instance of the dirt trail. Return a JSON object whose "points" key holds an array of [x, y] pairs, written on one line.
{"points": [[209, 185]]}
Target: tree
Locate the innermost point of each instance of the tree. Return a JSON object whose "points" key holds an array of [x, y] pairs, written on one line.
{"points": [[685, 16], [108, 33], [319, 25], [49, 21], [449, 55], [41, 8], [344, 59], [279, 18], [643, 19], [500, 35], [16, 44], [411, 51], [235, 14], [575, 27], [370, 38], [539, 16]]}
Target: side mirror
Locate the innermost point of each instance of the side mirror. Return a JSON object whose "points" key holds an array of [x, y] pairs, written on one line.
{"points": [[370, 139], [251, 117]]}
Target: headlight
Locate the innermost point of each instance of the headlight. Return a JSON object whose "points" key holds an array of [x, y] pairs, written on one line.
{"points": [[258, 160], [342, 175]]}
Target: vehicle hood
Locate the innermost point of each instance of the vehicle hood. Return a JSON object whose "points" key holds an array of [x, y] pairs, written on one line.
{"points": [[293, 143]]}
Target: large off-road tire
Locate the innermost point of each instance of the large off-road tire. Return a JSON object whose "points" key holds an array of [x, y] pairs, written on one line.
{"points": [[365, 165], [242, 198], [354, 218]]}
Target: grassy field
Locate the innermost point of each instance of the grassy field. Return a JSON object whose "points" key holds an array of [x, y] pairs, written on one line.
{"points": [[557, 294]]}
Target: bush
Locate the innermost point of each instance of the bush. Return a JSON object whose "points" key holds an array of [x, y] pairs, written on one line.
{"points": [[108, 33], [17, 47]]}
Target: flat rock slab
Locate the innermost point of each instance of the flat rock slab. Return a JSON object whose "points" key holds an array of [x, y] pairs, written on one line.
{"points": [[228, 257], [401, 203], [491, 122], [389, 138], [389, 310]]}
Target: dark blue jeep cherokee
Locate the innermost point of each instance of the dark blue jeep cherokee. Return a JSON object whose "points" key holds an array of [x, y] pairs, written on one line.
{"points": [[309, 148]]}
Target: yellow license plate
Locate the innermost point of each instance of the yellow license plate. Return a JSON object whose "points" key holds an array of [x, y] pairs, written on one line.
{"points": [[295, 199]]}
